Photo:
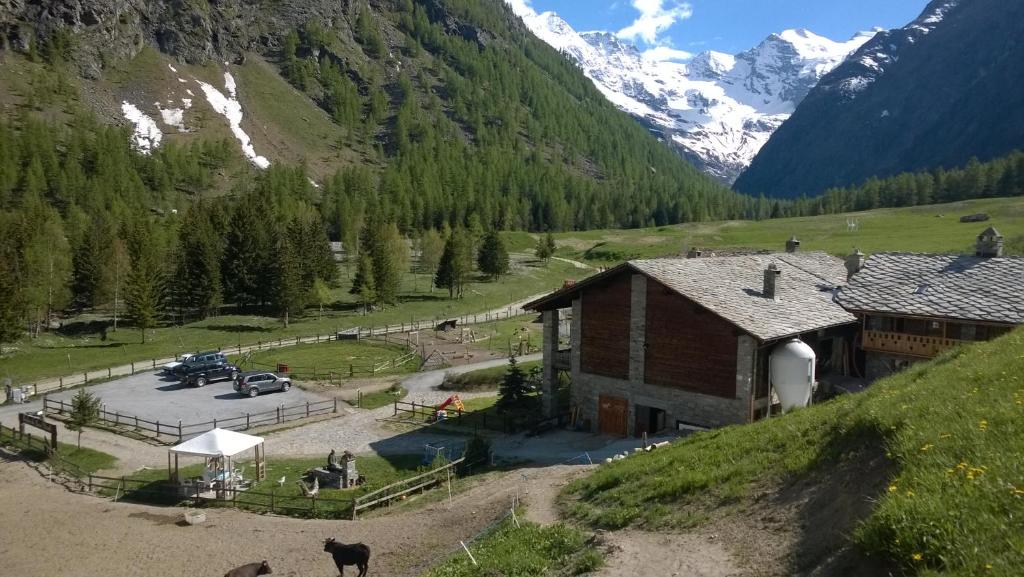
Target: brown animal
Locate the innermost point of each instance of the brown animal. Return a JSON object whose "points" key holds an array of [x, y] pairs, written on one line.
{"points": [[250, 570], [357, 554]]}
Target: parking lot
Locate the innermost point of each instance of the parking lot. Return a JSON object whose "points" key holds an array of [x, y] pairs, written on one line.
{"points": [[163, 398]]}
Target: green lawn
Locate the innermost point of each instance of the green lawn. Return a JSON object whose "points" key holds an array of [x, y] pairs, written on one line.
{"points": [[70, 459], [934, 228], [332, 503], [950, 498], [529, 550], [483, 379], [52, 354], [338, 358], [384, 398]]}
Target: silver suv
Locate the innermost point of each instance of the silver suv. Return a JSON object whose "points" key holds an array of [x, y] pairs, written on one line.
{"points": [[253, 383]]}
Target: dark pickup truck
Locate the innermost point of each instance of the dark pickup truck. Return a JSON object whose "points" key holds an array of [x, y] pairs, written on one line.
{"points": [[206, 367]]}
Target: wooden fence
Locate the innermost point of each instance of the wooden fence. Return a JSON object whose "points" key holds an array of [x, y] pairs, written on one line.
{"points": [[260, 501], [333, 373], [422, 482], [14, 437], [143, 365], [484, 419], [181, 431]]}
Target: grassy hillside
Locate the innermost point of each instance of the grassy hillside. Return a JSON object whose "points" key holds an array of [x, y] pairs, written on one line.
{"points": [[77, 348], [950, 496], [934, 228]]}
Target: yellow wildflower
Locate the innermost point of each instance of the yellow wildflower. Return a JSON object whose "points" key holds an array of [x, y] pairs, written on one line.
{"points": [[917, 556], [893, 488], [926, 447]]}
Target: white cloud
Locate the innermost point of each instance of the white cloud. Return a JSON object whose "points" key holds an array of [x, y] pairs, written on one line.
{"points": [[663, 53], [656, 16], [522, 8]]}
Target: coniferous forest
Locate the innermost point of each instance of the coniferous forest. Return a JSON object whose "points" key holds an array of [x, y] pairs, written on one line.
{"points": [[486, 129]]}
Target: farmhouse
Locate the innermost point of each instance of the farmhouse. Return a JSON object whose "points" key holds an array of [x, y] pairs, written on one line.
{"points": [[914, 306], [684, 343]]}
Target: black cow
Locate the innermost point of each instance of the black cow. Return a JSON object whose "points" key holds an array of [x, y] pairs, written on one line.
{"points": [[357, 554], [250, 570]]}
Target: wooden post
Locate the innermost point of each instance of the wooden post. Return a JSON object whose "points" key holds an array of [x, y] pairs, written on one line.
{"points": [[61, 383], [279, 415], [247, 421], [273, 494], [133, 367], [158, 428], [307, 409], [335, 405]]}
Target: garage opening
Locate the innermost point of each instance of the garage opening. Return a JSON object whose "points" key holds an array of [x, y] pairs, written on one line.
{"points": [[650, 420]]}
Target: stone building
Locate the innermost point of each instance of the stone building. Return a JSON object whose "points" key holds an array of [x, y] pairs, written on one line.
{"points": [[675, 344], [914, 306]]}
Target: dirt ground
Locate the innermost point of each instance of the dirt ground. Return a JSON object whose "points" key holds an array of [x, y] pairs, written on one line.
{"points": [[51, 532], [797, 528]]}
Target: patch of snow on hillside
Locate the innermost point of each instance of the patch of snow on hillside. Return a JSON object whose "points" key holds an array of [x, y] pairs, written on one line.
{"points": [[146, 134], [231, 109], [174, 117], [173, 69]]}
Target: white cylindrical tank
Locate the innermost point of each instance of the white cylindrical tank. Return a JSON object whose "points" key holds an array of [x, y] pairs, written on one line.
{"points": [[792, 373]]}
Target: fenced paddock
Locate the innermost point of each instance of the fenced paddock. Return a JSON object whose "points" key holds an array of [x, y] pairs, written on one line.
{"points": [[143, 365], [385, 495], [179, 431], [477, 420]]}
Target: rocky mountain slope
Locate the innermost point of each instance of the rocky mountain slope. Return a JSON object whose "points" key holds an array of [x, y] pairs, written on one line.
{"points": [[423, 102], [718, 109], [934, 93]]}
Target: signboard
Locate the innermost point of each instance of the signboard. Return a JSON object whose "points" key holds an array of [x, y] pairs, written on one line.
{"points": [[38, 422]]}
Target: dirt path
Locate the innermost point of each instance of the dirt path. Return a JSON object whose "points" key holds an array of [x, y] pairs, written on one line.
{"points": [[668, 555], [130, 540]]}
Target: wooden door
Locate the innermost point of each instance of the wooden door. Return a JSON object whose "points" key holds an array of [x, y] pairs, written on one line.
{"points": [[612, 412]]}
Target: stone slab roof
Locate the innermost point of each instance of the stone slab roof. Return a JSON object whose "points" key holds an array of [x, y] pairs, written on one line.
{"points": [[731, 287], [939, 285]]}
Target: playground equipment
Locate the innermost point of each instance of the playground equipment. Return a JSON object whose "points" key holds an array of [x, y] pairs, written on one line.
{"points": [[441, 414]]}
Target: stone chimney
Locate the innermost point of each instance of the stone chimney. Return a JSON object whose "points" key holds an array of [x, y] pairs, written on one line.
{"points": [[854, 262], [771, 276], [990, 244], [792, 245], [694, 253]]}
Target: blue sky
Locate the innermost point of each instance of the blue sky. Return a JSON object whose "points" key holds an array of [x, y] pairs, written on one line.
{"points": [[726, 25]]}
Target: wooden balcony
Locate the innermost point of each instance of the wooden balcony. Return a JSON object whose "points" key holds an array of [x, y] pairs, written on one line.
{"points": [[563, 360], [904, 344]]}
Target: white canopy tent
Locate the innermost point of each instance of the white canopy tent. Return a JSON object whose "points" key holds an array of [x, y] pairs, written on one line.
{"points": [[219, 447]]}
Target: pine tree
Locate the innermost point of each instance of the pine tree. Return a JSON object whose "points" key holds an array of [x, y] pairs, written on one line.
{"points": [[431, 246], [545, 247], [515, 391], [320, 295], [289, 293], [492, 259], [386, 276], [456, 263], [248, 255], [362, 284], [197, 284], [85, 410], [143, 291], [10, 296]]}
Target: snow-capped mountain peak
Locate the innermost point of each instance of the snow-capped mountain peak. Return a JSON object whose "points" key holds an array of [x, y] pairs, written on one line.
{"points": [[717, 108]]}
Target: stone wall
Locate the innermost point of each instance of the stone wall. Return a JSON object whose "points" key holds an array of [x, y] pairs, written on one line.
{"points": [[679, 405]]}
